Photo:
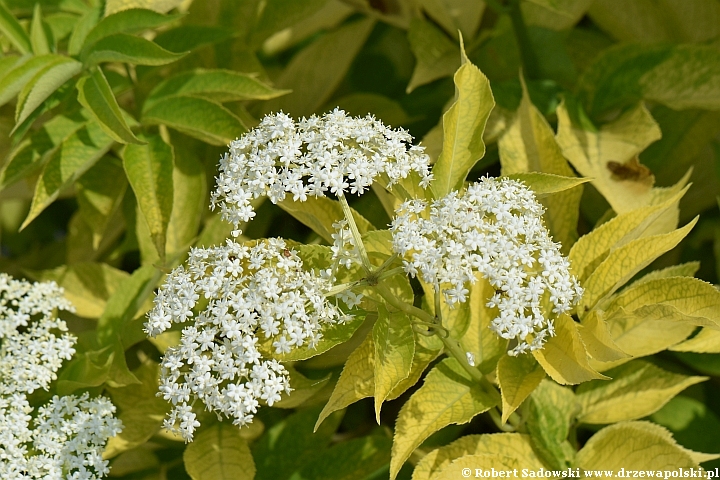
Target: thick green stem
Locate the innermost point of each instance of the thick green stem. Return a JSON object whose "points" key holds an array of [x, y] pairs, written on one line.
{"points": [[530, 63], [497, 420], [357, 238], [412, 310]]}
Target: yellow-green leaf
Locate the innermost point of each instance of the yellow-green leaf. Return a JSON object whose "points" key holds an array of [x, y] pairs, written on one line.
{"points": [[149, 169], [477, 338], [598, 341], [454, 15], [99, 194], [517, 376], [544, 184], [95, 94], [129, 20], [219, 453], [564, 356], [463, 126], [633, 446], [637, 389], [551, 411], [688, 269], [21, 72], [706, 341], [355, 459], [394, 345], [126, 48], [484, 463], [13, 31], [448, 396], [303, 389], [624, 262], [529, 145], [427, 349], [512, 445], [554, 14], [356, 380], [436, 56], [38, 36], [319, 213]]}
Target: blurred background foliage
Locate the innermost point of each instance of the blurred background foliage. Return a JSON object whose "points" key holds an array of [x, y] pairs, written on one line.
{"points": [[111, 127]]}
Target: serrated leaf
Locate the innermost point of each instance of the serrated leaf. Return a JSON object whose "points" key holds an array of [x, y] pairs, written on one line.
{"points": [[436, 56], [511, 445], [291, 444], [99, 194], [598, 341], [127, 302], [427, 349], [43, 84], [149, 169], [564, 356], [688, 269], [87, 285], [706, 341], [66, 164], [95, 94], [463, 126], [529, 145], [132, 20], [126, 48], [198, 117], [311, 85], [217, 85], [356, 459], [692, 423], [518, 377], [592, 249], [38, 36], [494, 463], [31, 153], [13, 31], [551, 411], [83, 26], [319, 213], [219, 453], [394, 345], [636, 389], [356, 380], [22, 72], [554, 14], [623, 263], [448, 396], [636, 446]]}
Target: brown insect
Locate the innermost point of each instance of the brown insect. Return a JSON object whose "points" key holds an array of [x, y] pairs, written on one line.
{"points": [[631, 170]]}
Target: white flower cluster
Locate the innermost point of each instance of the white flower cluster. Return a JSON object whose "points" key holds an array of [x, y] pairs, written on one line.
{"points": [[67, 436], [333, 153], [494, 228], [239, 294]]}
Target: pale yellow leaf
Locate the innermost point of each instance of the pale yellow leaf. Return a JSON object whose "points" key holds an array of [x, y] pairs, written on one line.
{"points": [[484, 464], [706, 341], [478, 339], [517, 377], [596, 336], [219, 453]]}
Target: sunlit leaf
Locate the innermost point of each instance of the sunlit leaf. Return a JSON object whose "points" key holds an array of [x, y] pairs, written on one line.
{"points": [[219, 453], [517, 377]]}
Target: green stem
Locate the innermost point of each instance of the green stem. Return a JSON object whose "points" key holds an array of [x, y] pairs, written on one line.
{"points": [[497, 420], [389, 297], [357, 238], [531, 67]]}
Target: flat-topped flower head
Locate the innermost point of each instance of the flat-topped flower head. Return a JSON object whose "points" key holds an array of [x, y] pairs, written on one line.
{"points": [[30, 351], [234, 297], [493, 229], [333, 153], [67, 436]]}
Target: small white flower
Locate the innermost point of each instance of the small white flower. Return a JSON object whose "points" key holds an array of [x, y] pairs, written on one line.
{"points": [[333, 153], [265, 297], [494, 229]]}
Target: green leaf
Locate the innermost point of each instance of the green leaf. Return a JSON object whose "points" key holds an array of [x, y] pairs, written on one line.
{"points": [[94, 368], [22, 72], [564, 356], [87, 285], [634, 446], [303, 389], [435, 54], [198, 117], [554, 14], [219, 453], [185, 38], [624, 262], [278, 15], [551, 411], [454, 15], [319, 213], [447, 396], [463, 126], [216, 85], [357, 380], [95, 94], [83, 26], [13, 31], [149, 169], [355, 459], [513, 445], [291, 444], [126, 48], [66, 164], [394, 345], [544, 184], [38, 35], [127, 303], [518, 377], [31, 153], [43, 84], [361, 104], [133, 20], [99, 194], [317, 70], [693, 424], [637, 389]]}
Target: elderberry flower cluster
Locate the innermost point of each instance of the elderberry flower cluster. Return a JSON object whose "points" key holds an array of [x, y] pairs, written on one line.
{"points": [[65, 438], [494, 228], [334, 153], [237, 299]]}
